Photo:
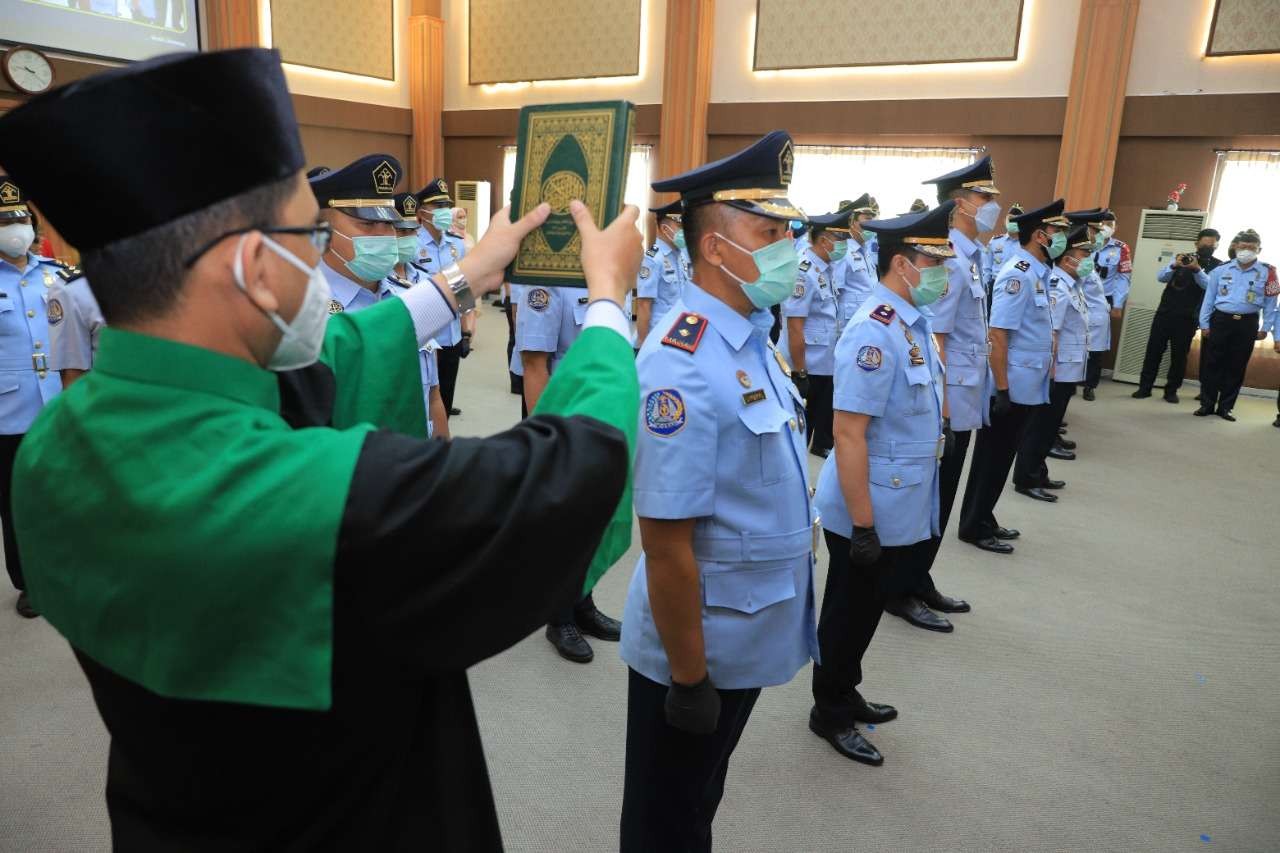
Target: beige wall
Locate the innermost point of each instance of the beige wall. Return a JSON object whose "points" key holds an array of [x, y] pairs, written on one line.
{"points": [[1168, 55], [646, 88], [1043, 69]]}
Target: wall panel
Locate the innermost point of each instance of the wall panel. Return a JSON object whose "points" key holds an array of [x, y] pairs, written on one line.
{"points": [[516, 40], [351, 36]]}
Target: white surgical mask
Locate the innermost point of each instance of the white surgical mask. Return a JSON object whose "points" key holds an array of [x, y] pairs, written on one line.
{"points": [[987, 216], [16, 239], [303, 336], [1106, 231], [1246, 256]]}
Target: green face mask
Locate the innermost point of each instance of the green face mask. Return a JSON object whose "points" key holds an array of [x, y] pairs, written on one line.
{"points": [[778, 264], [442, 218], [933, 283], [1084, 269], [1057, 245], [679, 239], [407, 247], [839, 249], [376, 256], [1012, 228]]}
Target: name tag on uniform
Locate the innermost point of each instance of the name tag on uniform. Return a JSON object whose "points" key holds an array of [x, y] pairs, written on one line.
{"points": [[753, 396], [1249, 297]]}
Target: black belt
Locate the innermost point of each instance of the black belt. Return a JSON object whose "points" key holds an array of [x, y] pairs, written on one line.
{"points": [[1251, 315]]}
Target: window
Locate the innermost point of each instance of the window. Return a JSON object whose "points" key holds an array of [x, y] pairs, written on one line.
{"points": [[637, 191], [1245, 188], [826, 174]]}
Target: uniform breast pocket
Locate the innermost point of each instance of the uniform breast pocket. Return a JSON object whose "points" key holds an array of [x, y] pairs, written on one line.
{"points": [[921, 384], [1042, 300], [821, 333], [748, 591], [963, 369], [766, 456], [6, 305]]}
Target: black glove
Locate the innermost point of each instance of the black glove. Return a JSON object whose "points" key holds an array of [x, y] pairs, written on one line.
{"points": [[948, 438], [694, 709], [801, 380], [466, 345], [1001, 404], [864, 546]]}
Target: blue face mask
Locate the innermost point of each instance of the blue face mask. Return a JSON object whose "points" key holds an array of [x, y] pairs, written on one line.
{"points": [[778, 264], [376, 256], [407, 247], [442, 218]]}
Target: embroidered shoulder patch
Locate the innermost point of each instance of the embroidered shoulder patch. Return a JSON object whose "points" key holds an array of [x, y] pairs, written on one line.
{"points": [[686, 332], [644, 271], [664, 412], [883, 313], [805, 264], [651, 251], [870, 358], [799, 291], [539, 298], [54, 310], [67, 273], [1012, 286], [1023, 265]]}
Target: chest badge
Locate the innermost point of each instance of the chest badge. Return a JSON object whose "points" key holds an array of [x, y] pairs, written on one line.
{"points": [[743, 379], [916, 356], [335, 307], [753, 396], [48, 279]]}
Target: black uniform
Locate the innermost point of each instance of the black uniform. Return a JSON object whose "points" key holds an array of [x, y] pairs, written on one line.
{"points": [[1174, 326]]}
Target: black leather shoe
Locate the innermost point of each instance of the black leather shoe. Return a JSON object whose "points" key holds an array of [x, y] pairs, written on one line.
{"points": [[570, 643], [1065, 443], [1226, 416], [1141, 394], [453, 413], [913, 610], [847, 741], [1062, 430], [823, 452], [1006, 533], [992, 544], [1198, 397], [1053, 484], [872, 712], [24, 608], [593, 623], [1088, 394], [1276, 422], [1203, 411], [1171, 397], [1037, 493], [935, 600], [1058, 453]]}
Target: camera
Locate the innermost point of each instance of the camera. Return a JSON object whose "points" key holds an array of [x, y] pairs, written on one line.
{"points": [[1186, 259]]}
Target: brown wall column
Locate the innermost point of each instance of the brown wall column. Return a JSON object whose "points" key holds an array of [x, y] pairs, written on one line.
{"points": [[1095, 101], [686, 86], [231, 23], [426, 92]]}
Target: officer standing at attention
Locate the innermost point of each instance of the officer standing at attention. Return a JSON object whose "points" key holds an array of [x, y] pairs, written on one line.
{"points": [[1021, 331], [75, 320], [959, 325], [721, 603], [1177, 317], [1114, 265], [548, 322], [1070, 316], [812, 317], [856, 274], [1238, 292], [999, 246], [662, 273], [437, 249], [878, 493], [25, 280], [865, 208], [404, 276]]}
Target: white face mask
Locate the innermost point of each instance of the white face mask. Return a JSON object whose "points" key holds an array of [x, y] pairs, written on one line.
{"points": [[1246, 256], [987, 215], [15, 240], [1106, 231], [302, 337]]}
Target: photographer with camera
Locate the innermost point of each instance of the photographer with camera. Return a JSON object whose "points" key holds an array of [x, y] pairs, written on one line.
{"points": [[1174, 325]]}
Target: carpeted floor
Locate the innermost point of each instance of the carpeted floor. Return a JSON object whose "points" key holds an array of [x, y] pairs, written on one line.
{"points": [[1114, 688]]}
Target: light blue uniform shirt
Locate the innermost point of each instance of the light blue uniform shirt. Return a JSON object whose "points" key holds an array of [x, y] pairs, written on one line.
{"points": [[432, 258], [1114, 257], [855, 276], [997, 252], [1099, 313], [876, 376], [27, 381], [814, 299], [549, 320], [515, 293], [663, 273], [75, 322], [961, 315], [721, 440], [1071, 322], [1240, 291], [1020, 305]]}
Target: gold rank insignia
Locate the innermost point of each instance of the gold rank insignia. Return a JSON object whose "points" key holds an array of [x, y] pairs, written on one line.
{"points": [[743, 379], [410, 206], [335, 307], [782, 362], [917, 357], [48, 279]]}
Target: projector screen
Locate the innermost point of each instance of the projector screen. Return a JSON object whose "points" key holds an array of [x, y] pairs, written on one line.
{"points": [[116, 29]]}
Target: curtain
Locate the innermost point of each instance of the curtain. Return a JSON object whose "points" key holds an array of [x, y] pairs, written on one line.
{"points": [[824, 175], [1245, 192]]}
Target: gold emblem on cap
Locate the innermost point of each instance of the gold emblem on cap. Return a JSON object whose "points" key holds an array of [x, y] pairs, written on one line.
{"points": [[743, 379], [384, 178], [8, 193], [410, 205], [786, 163]]}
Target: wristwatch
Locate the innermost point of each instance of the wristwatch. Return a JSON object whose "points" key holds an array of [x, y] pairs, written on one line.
{"points": [[461, 288]]}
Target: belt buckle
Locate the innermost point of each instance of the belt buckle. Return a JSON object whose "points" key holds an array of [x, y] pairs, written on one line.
{"points": [[40, 363], [1237, 316]]}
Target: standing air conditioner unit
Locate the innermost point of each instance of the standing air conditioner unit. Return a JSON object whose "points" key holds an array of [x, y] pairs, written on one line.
{"points": [[473, 197], [1162, 234]]}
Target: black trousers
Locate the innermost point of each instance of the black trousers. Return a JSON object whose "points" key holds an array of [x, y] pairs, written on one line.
{"points": [[1093, 367], [1225, 357], [851, 608], [1030, 469], [448, 359], [948, 486], [674, 780], [993, 454], [566, 614], [9, 450], [517, 381], [818, 412], [1176, 333]]}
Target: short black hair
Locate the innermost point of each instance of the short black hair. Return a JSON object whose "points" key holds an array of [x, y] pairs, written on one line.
{"points": [[141, 277], [697, 219], [816, 231], [1209, 232]]}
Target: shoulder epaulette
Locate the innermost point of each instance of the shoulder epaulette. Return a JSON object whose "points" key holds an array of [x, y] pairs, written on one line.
{"points": [[1053, 279], [686, 332], [883, 313], [1021, 265], [651, 251], [804, 265], [69, 273]]}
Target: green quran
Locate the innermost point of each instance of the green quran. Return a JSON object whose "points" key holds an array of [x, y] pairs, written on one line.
{"points": [[566, 152]]}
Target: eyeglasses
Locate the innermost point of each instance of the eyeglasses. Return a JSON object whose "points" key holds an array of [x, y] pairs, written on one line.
{"points": [[319, 235]]}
